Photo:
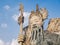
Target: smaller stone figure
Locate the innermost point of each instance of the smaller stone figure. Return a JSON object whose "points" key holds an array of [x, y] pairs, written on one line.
{"points": [[54, 25]]}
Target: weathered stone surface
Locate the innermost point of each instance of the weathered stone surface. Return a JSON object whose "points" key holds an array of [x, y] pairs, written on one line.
{"points": [[51, 38], [54, 25]]}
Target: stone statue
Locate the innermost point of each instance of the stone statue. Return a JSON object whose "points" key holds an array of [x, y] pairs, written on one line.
{"points": [[34, 34], [35, 30]]}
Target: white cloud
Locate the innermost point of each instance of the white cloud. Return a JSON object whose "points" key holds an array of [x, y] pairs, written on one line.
{"points": [[7, 7], [26, 15], [15, 17], [1, 42], [7, 43], [26, 18], [4, 25], [13, 42]]}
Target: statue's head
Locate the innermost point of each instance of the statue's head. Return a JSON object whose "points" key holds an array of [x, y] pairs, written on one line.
{"points": [[35, 19]]}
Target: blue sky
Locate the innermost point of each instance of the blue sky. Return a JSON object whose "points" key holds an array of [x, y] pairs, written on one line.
{"points": [[9, 10]]}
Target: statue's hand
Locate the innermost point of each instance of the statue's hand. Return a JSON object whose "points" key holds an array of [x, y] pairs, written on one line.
{"points": [[44, 13]]}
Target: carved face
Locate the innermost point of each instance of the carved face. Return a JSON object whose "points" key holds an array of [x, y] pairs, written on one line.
{"points": [[35, 20]]}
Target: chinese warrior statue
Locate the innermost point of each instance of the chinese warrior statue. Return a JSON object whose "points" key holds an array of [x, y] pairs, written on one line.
{"points": [[35, 27]]}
